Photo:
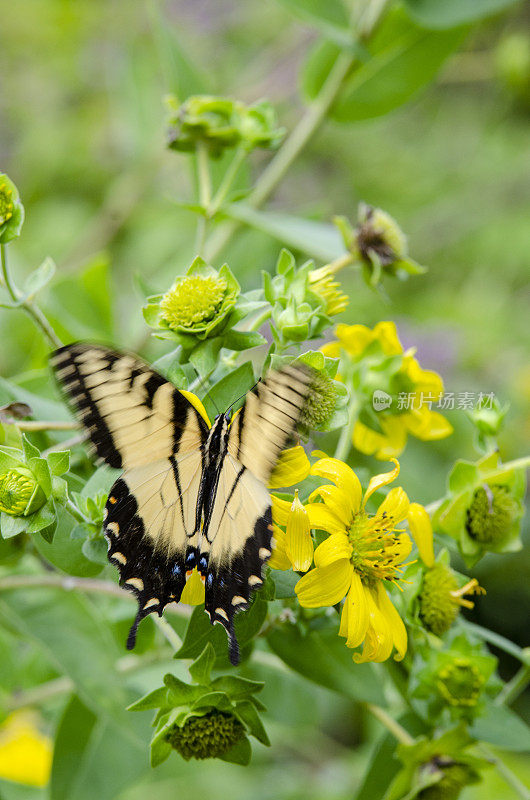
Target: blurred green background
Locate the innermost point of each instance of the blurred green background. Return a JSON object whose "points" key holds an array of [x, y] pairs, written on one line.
{"points": [[82, 136]]}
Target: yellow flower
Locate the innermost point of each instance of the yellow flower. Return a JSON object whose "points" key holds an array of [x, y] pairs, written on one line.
{"points": [[322, 283], [25, 753], [421, 531], [292, 467], [422, 386], [361, 552]]}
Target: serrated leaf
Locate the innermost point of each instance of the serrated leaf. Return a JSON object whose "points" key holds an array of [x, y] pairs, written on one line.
{"points": [[154, 699], [229, 389], [251, 719], [59, 462], [202, 667]]}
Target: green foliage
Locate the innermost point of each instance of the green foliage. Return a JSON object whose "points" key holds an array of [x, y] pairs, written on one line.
{"points": [[117, 241]]}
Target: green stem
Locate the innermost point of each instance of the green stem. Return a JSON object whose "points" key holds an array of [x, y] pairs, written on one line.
{"points": [[510, 777], [76, 512], [68, 583], [169, 632], [345, 439], [27, 305], [256, 323], [31, 425], [514, 687], [293, 145], [228, 179], [205, 194], [397, 730], [499, 641]]}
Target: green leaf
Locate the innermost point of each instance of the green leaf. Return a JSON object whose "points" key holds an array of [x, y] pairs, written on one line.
{"points": [[450, 13], [100, 481], [201, 668], [95, 550], [69, 629], [249, 716], [37, 279], [240, 753], [407, 62], [155, 699], [463, 476], [210, 700], [235, 687], [66, 553], [322, 657], [243, 340], [12, 526], [59, 462], [229, 389], [318, 239], [502, 727], [284, 583], [328, 16], [71, 739], [180, 693], [200, 631], [205, 356]]}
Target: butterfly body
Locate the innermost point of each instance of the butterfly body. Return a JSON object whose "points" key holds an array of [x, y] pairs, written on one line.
{"points": [[190, 496]]}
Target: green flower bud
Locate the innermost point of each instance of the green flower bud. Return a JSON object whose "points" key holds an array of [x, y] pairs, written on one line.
{"points": [[440, 598], [258, 125], [20, 494], [379, 235], [209, 736], [192, 302], [460, 683], [11, 210], [455, 778], [491, 514], [203, 118], [321, 402], [198, 303]]}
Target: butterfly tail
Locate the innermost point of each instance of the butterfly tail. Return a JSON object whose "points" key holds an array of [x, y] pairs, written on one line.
{"points": [[233, 646]]}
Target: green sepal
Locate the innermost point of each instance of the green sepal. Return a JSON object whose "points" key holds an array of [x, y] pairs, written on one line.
{"points": [[247, 714], [240, 753]]}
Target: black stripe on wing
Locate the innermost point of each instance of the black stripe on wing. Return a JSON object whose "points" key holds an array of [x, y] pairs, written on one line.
{"points": [[155, 579], [229, 586]]}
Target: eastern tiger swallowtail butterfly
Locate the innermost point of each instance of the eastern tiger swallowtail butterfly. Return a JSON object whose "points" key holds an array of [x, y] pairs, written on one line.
{"points": [[190, 495]]}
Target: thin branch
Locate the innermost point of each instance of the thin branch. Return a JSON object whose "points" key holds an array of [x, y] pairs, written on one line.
{"points": [[168, 631], [514, 687], [499, 641], [397, 730], [28, 305], [510, 777], [66, 444], [38, 425], [69, 583]]}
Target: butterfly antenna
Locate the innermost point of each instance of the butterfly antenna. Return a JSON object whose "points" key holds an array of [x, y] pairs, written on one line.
{"points": [[242, 395]]}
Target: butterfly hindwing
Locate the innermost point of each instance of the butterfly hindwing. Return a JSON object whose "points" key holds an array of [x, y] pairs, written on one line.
{"points": [[238, 535], [151, 524]]}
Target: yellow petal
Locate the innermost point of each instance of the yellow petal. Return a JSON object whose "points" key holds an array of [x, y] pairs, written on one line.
{"points": [[381, 480], [365, 440], [421, 531], [342, 476], [387, 334], [25, 753], [354, 338], [322, 518], [395, 505], [395, 437], [193, 594], [336, 500], [427, 425], [331, 349], [298, 541], [279, 558], [378, 642], [292, 467], [397, 627], [196, 403], [332, 549], [280, 510], [357, 613], [324, 586]]}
